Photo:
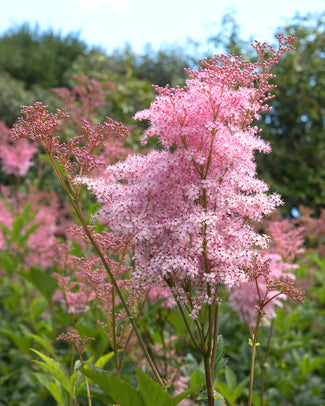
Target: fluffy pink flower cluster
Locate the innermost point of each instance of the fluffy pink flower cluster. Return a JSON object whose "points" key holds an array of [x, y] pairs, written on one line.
{"points": [[188, 208], [46, 213], [16, 158]]}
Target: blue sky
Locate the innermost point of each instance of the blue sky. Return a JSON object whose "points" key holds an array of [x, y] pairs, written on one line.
{"points": [[112, 23]]}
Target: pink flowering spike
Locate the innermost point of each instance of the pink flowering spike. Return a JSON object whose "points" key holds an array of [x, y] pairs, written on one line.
{"points": [[189, 209], [269, 284], [73, 337], [38, 125]]}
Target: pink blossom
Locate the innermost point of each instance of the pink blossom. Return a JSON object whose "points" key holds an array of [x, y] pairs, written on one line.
{"points": [[188, 209], [76, 295], [46, 213], [287, 239], [247, 298], [157, 293], [16, 158]]}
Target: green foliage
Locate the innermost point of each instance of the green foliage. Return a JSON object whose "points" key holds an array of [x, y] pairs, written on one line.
{"points": [[295, 126], [148, 393], [162, 67], [38, 57], [14, 94], [54, 369], [231, 390]]}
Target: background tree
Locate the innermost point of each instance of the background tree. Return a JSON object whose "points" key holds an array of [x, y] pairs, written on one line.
{"points": [[295, 126], [38, 57]]}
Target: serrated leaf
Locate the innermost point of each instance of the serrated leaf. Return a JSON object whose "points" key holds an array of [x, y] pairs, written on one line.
{"points": [[220, 357], [152, 393], [121, 391], [177, 399]]}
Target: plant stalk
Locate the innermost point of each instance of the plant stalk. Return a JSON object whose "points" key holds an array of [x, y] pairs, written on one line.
{"points": [[109, 272], [255, 335]]}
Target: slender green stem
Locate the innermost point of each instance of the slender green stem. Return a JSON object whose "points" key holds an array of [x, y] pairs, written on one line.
{"points": [[109, 272], [86, 380], [115, 347], [208, 379], [255, 335], [215, 335], [125, 347], [71, 370], [263, 361], [197, 345], [88, 391]]}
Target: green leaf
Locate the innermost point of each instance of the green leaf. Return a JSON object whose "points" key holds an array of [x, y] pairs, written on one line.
{"points": [[177, 399], [153, 394], [204, 395], [102, 361], [22, 342], [121, 391], [197, 377], [56, 370], [43, 342], [6, 229], [28, 232], [53, 387], [230, 390], [231, 378], [224, 389], [220, 357], [4, 378]]}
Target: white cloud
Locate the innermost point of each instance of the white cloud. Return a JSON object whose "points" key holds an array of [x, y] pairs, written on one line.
{"points": [[121, 6]]}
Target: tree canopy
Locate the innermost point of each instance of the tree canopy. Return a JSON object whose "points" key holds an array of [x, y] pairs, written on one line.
{"points": [[295, 125], [36, 57]]}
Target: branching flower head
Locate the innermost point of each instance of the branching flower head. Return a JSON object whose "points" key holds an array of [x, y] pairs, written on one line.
{"points": [[270, 282], [78, 153], [39, 125], [188, 208]]}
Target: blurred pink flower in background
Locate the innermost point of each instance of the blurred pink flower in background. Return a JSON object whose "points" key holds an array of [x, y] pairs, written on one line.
{"points": [[16, 158]]}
